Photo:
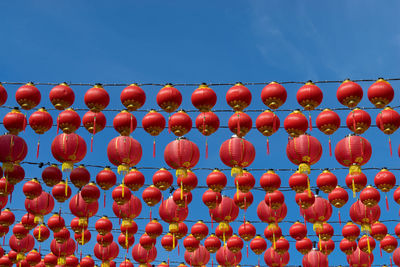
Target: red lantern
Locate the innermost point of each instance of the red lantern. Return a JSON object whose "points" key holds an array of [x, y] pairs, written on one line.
{"points": [[295, 123], [96, 98], [107, 253], [353, 152], [103, 225], [298, 231], [347, 247], [326, 247], [40, 121], [326, 181], [204, 98], [28, 96], [51, 175], [14, 121], [94, 122], [273, 95], [56, 223], [199, 230], [87, 261], [153, 123], [269, 215], [90, 193], [304, 151], [182, 198], [41, 233], [28, 220], [172, 213], [325, 233], [369, 196], [7, 218], [81, 209], [181, 155], [225, 257], [270, 181], [151, 195], [388, 121], [247, 231], [226, 211], [133, 97], [350, 231], [238, 97], [211, 198], [378, 231], [180, 123], [134, 179], [68, 121], [315, 258], [62, 236], [153, 229], [309, 96], [124, 123], [349, 93], [128, 211], [22, 245], [191, 243], [358, 121], [143, 256], [216, 180], [32, 189], [207, 123], [385, 180], [366, 244], [356, 181], [258, 245], [328, 122], [40, 206], [388, 243], [162, 179], [338, 198], [274, 199], [62, 96], [147, 242], [267, 123], [80, 176], [20, 231], [237, 153], [6, 188], [243, 200], [199, 257], [240, 123], [299, 182], [106, 178], [3, 95], [380, 93], [235, 244], [124, 152], [169, 98], [121, 194], [68, 149], [360, 258], [212, 243], [168, 242], [273, 259], [245, 181], [13, 149], [304, 245], [318, 213], [363, 215]]}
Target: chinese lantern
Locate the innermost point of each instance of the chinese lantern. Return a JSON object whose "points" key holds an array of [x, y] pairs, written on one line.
{"points": [[298, 231], [168, 242], [126, 241], [366, 244], [207, 123], [356, 181], [315, 258], [56, 222], [124, 123], [225, 257], [169, 98], [124, 152], [304, 245], [266, 214], [51, 175], [328, 122], [199, 257], [107, 253], [212, 243], [153, 229], [350, 231], [13, 149], [380, 93], [7, 218], [247, 231], [6, 188], [94, 122], [326, 181], [134, 179], [325, 233], [258, 245], [121, 194], [103, 225], [273, 95], [50, 259], [299, 182], [128, 211], [182, 230], [238, 97], [349, 93], [14, 121], [40, 206], [274, 199], [369, 196], [172, 214], [318, 212], [304, 151], [295, 123], [153, 123], [21, 246], [274, 259], [68, 121], [182, 198], [270, 181], [388, 243], [80, 208], [309, 96], [363, 215], [62, 96], [191, 243], [15, 173], [20, 231], [3, 95], [68, 149], [62, 235], [338, 197], [143, 256], [235, 244], [133, 97], [388, 121], [326, 247], [245, 181], [187, 183], [162, 179], [240, 123], [147, 242], [79, 176], [181, 155], [305, 199], [347, 246], [32, 189], [90, 193], [267, 123], [203, 98], [199, 230], [40, 121], [211, 198], [151, 195], [28, 220], [358, 121], [243, 200], [180, 123], [353, 151], [96, 98], [237, 153], [385, 180], [272, 232], [216, 180], [106, 179], [28, 96], [41, 233]]}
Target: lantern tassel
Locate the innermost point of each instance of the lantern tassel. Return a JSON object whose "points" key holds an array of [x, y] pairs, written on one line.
{"points": [[304, 168], [169, 123], [58, 125], [390, 147], [181, 172], [131, 125], [123, 169], [330, 146], [206, 148], [37, 148], [340, 220], [247, 250], [237, 190], [66, 186], [94, 132], [104, 199], [236, 170], [308, 187], [212, 223], [380, 251], [67, 166], [177, 244], [150, 214], [387, 202], [154, 147], [181, 190], [267, 146], [353, 188], [91, 143], [168, 261], [273, 240], [309, 118]]}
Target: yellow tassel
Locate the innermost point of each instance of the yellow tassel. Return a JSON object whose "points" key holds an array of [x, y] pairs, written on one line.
{"points": [[354, 169], [20, 256], [123, 190], [126, 223], [40, 230], [173, 240], [181, 189], [38, 219], [354, 188], [237, 190], [308, 187], [223, 237], [366, 228], [8, 166], [105, 264], [274, 240], [304, 168], [67, 166], [66, 186], [181, 172], [126, 238], [61, 261], [272, 226], [368, 245], [83, 236], [236, 171], [123, 168], [317, 225]]}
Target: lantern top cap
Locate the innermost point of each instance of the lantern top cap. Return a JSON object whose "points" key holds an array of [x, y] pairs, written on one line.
{"points": [[98, 85]]}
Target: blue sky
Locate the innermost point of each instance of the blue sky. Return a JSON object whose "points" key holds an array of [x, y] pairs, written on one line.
{"points": [[207, 41]]}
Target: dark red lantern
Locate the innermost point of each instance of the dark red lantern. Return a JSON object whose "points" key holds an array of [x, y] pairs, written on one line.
{"points": [[363, 215], [180, 123], [62, 96], [238, 97], [378, 231], [298, 231], [124, 152], [347, 247], [270, 181], [90, 193], [204, 98], [211, 198], [273, 95], [106, 178], [151, 195], [51, 175], [153, 229], [240, 123], [207, 123], [212, 243], [328, 122], [325, 233], [299, 182], [80, 176], [295, 123], [388, 243], [134, 179], [32, 189], [356, 181], [96, 98], [304, 151], [133, 97], [28, 96], [3, 95], [258, 245], [191, 243], [13, 149], [305, 199], [349, 93], [315, 258], [353, 152], [181, 155], [380, 93], [304, 245], [40, 206]]}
